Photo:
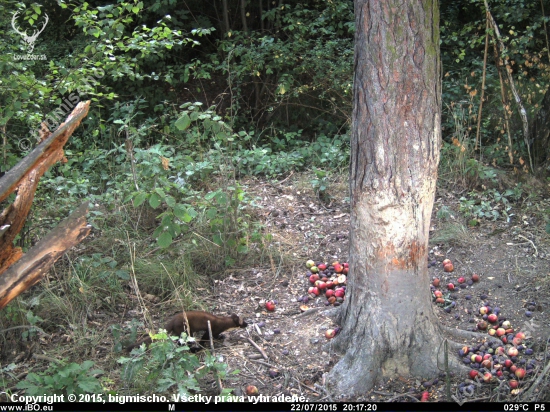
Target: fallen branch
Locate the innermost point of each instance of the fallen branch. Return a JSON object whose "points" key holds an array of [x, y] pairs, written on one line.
{"points": [[34, 265], [258, 348], [219, 381], [530, 241], [522, 111]]}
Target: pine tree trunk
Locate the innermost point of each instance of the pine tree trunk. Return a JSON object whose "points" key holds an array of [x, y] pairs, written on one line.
{"points": [[388, 324]]}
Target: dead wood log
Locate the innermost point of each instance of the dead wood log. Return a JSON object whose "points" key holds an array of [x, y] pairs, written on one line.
{"points": [[32, 267], [45, 154], [21, 272]]}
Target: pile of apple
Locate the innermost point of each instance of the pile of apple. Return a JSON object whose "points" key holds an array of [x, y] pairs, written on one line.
{"points": [[328, 279], [491, 361], [445, 300]]}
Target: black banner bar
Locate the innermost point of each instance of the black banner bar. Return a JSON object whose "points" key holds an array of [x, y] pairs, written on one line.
{"points": [[282, 407]]}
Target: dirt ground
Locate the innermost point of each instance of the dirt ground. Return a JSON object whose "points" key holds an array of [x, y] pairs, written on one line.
{"points": [[286, 352], [511, 259]]}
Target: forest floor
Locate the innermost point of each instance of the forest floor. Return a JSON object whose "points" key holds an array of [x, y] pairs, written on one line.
{"points": [[511, 259], [290, 354]]}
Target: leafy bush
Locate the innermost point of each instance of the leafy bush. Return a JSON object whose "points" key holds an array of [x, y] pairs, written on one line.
{"points": [[63, 379], [169, 366]]}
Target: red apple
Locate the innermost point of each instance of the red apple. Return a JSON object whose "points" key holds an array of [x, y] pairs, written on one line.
{"points": [[438, 294], [345, 271], [346, 264], [322, 285], [487, 364], [322, 266], [339, 293], [446, 262], [492, 318], [500, 332], [330, 333], [487, 356], [448, 267], [499, 373], [440, 300], [513, 384], [313, 278], [513, 368], [251, 390], [330, 284], [270, 305], [520, 335], [451, 286], [513, 351], [473, 374], [435, 282], [475, 277], [329, 293], [338, 268], [461, 280], [487, 377], [520, 373], [479, 359], [516, 341], [315, 291], [508, 363], [331, 300]]}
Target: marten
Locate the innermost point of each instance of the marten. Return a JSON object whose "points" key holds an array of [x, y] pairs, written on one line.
{"points": [[198, 322]]}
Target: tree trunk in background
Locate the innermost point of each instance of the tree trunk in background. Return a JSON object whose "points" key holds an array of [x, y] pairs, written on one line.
{"points": [[540, 132], [388, 324], [226, 16], [243, 15]]}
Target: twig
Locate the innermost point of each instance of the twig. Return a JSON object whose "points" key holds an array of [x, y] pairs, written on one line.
{"points": [[219, 381], [310, 388], [46, 358], [537, 382], [258, 348], [522, 111], [324, 391], [263, 363], [478, 131], [22, 327], [308, 312], [400, 396], [530, 241]]}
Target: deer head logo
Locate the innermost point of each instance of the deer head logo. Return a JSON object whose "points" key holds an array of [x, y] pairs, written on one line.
{"points": [[29, 39]]}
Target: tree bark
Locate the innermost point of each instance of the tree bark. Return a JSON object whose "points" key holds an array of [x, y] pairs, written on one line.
{"points": [[226, 16], [388, 324], [34, 265], [243, 16]]}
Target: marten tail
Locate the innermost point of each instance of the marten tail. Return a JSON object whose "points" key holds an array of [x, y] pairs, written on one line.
{"points": [[147, 341]]}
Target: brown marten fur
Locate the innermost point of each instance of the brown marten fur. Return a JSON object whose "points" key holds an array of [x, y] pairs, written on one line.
{"points": [[198, 322]]}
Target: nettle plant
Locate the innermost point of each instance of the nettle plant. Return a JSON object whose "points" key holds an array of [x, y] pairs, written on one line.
{"points": [[170, 366], [490, 204]]}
